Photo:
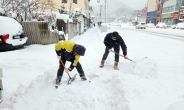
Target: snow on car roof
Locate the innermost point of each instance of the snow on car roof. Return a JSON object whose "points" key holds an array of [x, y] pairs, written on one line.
{"points": [[9, 26]]}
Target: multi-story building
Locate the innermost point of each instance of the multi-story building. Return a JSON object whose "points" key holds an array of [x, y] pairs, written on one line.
{"points": [[71, 5], [181, 11], [170, 11], [152, 11], [167, 11]]}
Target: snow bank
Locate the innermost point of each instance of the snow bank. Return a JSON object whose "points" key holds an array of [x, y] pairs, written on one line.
{"points": [[177, 106], [26, 96]]}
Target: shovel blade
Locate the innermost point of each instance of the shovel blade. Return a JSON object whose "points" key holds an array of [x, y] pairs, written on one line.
{"points": [[71, 79]]}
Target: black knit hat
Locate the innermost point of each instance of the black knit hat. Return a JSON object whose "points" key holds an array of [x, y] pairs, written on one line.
{"points": [[79, 49], [115, 33]]}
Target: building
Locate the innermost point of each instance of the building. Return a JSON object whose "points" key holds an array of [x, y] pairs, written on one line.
{"points": [[152, 11], [181, 12], [54, 5], [167, 11], [170, 11]]}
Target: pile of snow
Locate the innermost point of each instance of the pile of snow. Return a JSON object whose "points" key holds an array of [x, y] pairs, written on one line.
{"points": [[146, 68], [177, 106], [1, 10], [13, 29], [64, 17]]}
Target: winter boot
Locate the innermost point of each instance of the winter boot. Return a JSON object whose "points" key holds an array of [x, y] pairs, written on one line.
{"points": [[102, 64], [116, 66], [83, 78], [58, 80]]}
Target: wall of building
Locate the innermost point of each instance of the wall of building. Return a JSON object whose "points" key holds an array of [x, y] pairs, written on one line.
{"points": [[81, 4], [151, 5], [151, 17], [170, 12]]}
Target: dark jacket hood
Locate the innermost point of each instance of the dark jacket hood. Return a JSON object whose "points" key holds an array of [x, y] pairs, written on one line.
{"points": [[79, 49]]}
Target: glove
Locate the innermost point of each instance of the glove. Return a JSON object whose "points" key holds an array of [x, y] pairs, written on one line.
{"points": [[59, 57], [69, 69], [110, 50], [125, 57]]}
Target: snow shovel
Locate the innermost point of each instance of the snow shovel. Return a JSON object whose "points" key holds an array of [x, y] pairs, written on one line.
{"points": [[71, 79], [128, 58], [123, 56]]}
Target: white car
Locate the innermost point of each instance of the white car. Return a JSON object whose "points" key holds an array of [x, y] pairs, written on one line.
{"points": [[174, 26], [150, 25], [11, 34], [106, 24], [180, 25], [141, 25], [161, 25]]}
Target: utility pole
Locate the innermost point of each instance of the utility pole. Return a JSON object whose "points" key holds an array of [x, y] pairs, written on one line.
{"points": [[105, 11], [162, 2]]}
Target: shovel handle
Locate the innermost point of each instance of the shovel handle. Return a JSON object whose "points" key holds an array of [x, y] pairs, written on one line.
{"points": [[65, 68], [123, 56]]}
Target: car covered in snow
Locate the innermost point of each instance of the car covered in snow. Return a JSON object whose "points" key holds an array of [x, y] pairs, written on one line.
{"points": [[161, 25], [11, 34], [150, 25], [180, 25], [141, 25], [174, 26]]}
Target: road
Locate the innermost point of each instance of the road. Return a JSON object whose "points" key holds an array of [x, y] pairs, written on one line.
{"points": [[169, 33]]}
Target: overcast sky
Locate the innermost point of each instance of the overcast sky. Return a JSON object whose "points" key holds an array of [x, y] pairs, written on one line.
{"points": [[134, 4]]}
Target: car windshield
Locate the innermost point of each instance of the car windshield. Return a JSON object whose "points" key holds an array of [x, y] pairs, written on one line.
{"points": [[142, 23]]}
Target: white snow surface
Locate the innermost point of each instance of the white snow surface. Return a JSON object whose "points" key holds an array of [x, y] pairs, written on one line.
{"points": [[14, 29], [152, 83], [64, 17]]}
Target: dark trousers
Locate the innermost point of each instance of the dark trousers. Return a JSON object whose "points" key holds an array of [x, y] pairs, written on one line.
{"points": [[116, 49], [61, 68]]}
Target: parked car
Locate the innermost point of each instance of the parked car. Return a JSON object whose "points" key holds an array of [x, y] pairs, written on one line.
{"points": [[174, 26], [161, 25], [11, 34], [150, 25], [180, 25], [106, 25], [141, 25]]}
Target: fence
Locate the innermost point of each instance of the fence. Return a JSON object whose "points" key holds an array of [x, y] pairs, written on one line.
{"points": [[72, 30], [38, 33], [68, 28]]}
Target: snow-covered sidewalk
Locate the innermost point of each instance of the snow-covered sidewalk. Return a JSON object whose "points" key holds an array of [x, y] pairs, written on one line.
{"points": [[154, 83]]}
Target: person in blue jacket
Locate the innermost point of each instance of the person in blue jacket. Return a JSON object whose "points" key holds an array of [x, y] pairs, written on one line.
{"points": [[113, 40]]}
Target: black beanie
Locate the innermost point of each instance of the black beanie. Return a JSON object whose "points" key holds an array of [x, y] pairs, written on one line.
{"points": [[115, 33]]}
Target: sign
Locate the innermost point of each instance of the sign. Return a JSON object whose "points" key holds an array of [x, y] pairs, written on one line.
{"points": [[168, 15], [175, 16]]}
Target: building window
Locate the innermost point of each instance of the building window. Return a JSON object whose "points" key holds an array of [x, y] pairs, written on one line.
{"points": [[75, 1], [64, 1], [182, 2]]}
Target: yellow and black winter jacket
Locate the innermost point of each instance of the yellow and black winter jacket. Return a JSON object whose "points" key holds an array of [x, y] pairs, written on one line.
{"points": [[65, 50]]}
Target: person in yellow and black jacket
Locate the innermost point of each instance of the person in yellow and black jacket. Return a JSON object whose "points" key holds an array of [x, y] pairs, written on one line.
{"points": [[69, 51]]}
